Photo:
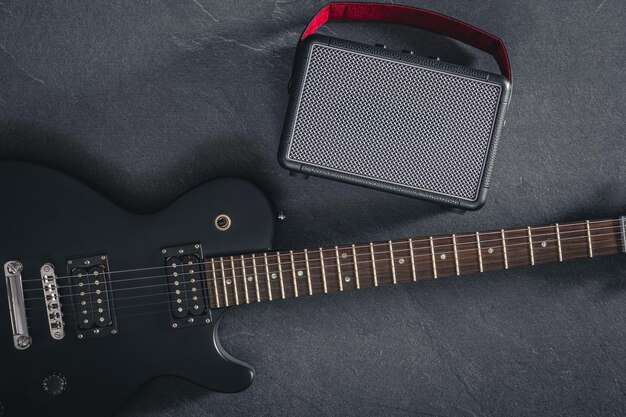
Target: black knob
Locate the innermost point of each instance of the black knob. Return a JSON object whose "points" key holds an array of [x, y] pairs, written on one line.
{"points": [[54, 384]]}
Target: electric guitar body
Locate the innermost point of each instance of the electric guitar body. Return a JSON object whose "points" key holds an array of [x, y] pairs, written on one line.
{"points": [[99, 300], [65, 243]]}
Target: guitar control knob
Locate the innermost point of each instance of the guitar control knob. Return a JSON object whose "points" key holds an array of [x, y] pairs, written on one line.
{"points": [[54, 384]]}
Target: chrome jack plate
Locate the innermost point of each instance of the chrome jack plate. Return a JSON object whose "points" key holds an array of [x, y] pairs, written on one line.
{"points": [[17, 307]]}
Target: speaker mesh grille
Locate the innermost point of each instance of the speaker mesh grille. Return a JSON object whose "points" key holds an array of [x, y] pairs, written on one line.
{"points": [[393, 121]]}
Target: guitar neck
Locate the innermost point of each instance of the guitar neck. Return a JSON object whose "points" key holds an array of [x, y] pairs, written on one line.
{"points": [[251, 278]]}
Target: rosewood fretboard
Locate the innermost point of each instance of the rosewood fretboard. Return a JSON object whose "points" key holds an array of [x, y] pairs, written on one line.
{"points": [[250, 278]]}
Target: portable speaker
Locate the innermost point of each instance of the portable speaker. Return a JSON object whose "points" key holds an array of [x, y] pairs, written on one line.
{"points": [[392, 120]]}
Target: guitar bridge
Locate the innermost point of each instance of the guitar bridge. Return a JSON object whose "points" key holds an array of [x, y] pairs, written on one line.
{"points": [[92, 297], [53, 301], [187, 289]]}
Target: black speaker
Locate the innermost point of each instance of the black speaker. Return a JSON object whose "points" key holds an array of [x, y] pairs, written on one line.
{"points": [[392, 120]]}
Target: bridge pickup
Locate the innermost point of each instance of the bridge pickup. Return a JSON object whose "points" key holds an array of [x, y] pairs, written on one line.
{"points": [[53, 301], [17, 307], [187, 288], [92, 297]]}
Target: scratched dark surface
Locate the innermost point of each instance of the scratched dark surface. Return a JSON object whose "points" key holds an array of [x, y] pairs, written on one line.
{"points": [[147, 99]]}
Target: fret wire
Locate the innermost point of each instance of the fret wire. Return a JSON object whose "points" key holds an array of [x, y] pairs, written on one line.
{"points": [[323, 271], [267, 276], [456, 256], [256, 279], [530, 245], [293, 274], [412, 260], [589, 240], [245, 279], [217, 293], [356, 267], [308, 271], [558, 242], [280, 276], [339, 269], [480, 252], [393, 263], [224, 281], [506, 258], [374, 265], [432, 254], [232, 264], [622, 225]]}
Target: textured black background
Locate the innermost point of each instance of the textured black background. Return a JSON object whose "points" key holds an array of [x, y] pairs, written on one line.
{"points": [[147, 99]]}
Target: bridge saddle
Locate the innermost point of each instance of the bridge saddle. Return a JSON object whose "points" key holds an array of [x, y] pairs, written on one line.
{"points": [[92, 297], [56, 323]]}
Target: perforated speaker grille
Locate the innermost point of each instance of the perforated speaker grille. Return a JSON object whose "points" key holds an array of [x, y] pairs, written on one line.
{"points": [[395, 122]]}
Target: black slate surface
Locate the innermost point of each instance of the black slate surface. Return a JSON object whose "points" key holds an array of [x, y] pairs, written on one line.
{"points": [[147, 99]]}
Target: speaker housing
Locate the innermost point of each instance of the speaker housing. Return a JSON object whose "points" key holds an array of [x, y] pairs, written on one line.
{"points": [[393, 121]]}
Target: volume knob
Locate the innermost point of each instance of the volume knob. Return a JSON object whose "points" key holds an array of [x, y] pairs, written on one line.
{"points": [[54, 384]]}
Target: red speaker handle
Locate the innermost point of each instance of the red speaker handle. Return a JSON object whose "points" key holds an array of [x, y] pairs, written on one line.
{"points": [[419, 18]]}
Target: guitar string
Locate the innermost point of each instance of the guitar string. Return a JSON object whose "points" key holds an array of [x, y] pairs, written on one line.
{"points": [[396, 251], [439, 247], [274, 288], [385, 243], [317, 287]]}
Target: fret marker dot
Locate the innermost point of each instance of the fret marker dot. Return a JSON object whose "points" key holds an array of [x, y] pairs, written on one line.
{"points": [[347, 279], [228, 281], [274, 276], [443, 256], [490, 250], [544, 244], [344, 255], [250, 279], [401, 261], [300, 273]]}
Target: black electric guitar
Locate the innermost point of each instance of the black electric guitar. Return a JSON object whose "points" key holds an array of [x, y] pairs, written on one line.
{"points": [[100, 300]]}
